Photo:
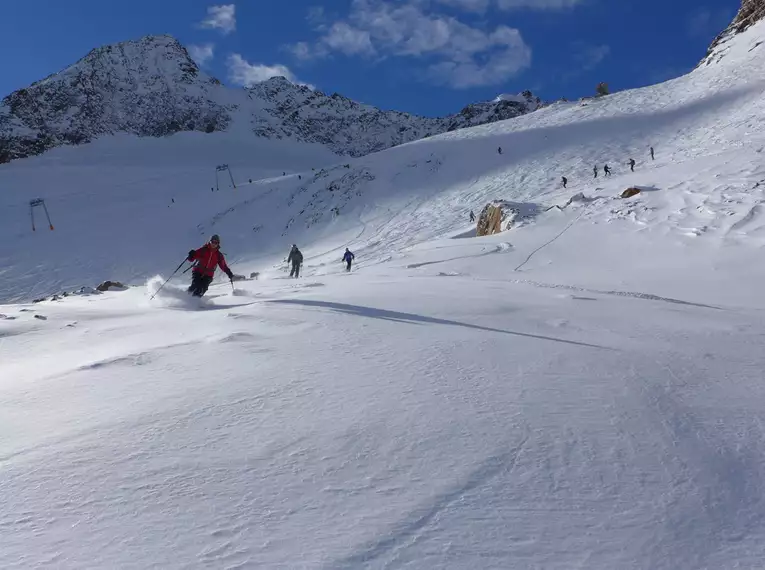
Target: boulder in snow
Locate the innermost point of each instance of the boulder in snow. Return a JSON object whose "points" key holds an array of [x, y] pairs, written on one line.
{"points": [[86, 291], [499, 212], [111, 286], [490, 219], [630, 192]]}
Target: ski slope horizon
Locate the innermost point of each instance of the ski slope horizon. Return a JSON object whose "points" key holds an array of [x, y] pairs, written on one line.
{"points": [[583, 390], [407, 194]]}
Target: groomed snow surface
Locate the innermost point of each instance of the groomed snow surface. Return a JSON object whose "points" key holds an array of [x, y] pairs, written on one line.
{"points": [[584, 390]]}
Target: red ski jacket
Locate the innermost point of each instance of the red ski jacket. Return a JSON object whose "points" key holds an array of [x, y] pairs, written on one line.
{"points": [[207, 258]]}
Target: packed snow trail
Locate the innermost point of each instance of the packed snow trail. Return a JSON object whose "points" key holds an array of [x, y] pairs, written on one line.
{"points": [[346, 423]]}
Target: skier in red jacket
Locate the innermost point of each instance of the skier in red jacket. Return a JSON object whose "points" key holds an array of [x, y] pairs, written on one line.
{"points": [[206, 258]]}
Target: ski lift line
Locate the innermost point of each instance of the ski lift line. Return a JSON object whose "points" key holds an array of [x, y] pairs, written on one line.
{"points": [[223, 168], [36, 203]]}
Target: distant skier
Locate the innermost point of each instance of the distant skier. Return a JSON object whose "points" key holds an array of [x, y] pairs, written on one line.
{"points": [[499, 150], [632, 164], [348, 258], [206, 258], [595, 170], [296, 259], [652, 157], [565, 181], [607, 170], [472, 216]]}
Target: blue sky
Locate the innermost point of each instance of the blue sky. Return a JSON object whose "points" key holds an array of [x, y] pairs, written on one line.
{"points": [[429, 57]]}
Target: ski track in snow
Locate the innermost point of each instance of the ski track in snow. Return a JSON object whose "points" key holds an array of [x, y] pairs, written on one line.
{"points": [[583, 391]]}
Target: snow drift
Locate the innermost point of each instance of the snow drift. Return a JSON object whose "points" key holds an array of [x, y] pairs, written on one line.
{"points": [[584, 389]]}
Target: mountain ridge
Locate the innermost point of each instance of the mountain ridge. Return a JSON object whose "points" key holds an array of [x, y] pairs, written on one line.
{"points": [[152, 87], [750, 12]]}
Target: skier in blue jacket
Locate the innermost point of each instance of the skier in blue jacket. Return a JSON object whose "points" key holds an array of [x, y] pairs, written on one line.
{"points": [[348, 258]]}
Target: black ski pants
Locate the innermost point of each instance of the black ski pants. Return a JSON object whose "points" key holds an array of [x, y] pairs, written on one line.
{"points": [[199, 284], [295, 270]]}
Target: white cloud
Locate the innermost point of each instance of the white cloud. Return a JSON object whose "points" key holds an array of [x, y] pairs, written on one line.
{"points": [[452, 51], [242, 72], [202, 54], [222, 17], [538, 4], [479, 6], [348, 40], [302, 50], [495, 66]]}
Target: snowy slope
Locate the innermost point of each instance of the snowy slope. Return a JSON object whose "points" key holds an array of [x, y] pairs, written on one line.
{"points": [[350, 422], [111, 204], [151, 87], [388, 201], [581, 391]]}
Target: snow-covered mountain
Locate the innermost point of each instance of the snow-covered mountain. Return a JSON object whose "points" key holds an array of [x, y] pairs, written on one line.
{"points": [[355, 129], [152, 87], [149, 87], [751, 12]]}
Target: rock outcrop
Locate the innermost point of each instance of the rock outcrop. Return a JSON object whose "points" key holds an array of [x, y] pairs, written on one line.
{"points": [[751, 12], [354, 129], [630, 192], [151, 87]]}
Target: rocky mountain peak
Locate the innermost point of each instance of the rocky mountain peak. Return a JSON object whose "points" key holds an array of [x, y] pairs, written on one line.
{"points": [[161, 55], [147, 87], [152, 87], [751, 12]]}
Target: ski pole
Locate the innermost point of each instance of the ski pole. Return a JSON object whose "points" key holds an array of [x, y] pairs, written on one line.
{"points": [[168, 279]]}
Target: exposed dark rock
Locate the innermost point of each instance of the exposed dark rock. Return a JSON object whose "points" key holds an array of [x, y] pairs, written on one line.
{"points": [[151, 87]]}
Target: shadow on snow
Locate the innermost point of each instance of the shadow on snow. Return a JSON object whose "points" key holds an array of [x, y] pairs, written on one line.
{"points": [[411, 318]]}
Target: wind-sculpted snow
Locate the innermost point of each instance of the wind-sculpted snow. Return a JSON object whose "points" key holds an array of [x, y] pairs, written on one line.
{"points": [[581, 390], [451, 420]]}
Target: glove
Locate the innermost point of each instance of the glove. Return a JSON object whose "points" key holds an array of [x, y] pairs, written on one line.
{"points": [[191, 255], [230, 275]]}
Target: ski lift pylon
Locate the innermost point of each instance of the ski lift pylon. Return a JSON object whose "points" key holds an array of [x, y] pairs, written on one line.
{"points": [[36, 203], [223, 168]]}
